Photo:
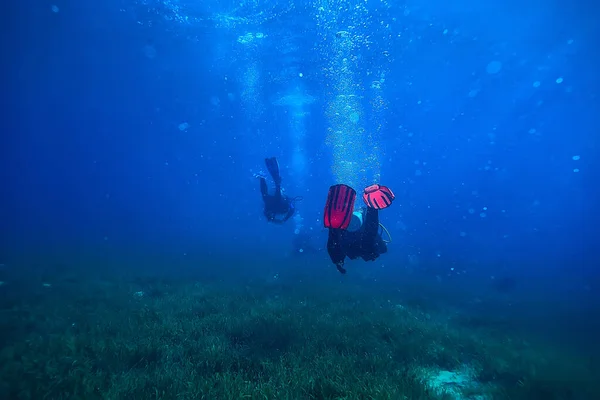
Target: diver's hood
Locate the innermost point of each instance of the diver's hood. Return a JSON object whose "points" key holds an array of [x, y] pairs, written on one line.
{"points": [[356, 221]]}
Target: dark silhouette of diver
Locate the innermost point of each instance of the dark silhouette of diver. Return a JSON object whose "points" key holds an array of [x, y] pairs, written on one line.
{"points": [[352, 233], [278, 208]]}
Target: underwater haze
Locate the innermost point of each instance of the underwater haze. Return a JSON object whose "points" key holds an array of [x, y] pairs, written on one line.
{"points": [[136, 260]]}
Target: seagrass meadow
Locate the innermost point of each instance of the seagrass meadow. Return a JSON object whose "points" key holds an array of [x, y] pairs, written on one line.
{"points": [[151, 335]]}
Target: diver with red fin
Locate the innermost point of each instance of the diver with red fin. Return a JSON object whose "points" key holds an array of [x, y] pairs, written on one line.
{"points": [[278, 207], [353, 233]]}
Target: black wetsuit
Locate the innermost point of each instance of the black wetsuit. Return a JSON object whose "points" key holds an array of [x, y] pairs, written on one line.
{"points": [[365, 242], [276, 204]]}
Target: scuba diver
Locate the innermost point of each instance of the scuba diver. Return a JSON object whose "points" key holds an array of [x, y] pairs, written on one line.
{"points": [[352, 233], [278, 208]]}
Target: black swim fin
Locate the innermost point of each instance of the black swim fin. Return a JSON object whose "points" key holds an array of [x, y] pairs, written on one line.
{"points": [[273, 167]]}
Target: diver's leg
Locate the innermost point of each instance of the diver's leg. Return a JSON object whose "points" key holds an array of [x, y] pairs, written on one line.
{"points": [[371, 222], [273, 168], [277, 192], [369, 237], [264, 190]]}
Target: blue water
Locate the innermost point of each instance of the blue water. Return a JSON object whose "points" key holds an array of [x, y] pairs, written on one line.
{"points": [[132, 130]]}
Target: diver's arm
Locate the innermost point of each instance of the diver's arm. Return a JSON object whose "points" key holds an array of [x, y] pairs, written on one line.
{"points": [[269, 215], [278, 221], [290, 212]]}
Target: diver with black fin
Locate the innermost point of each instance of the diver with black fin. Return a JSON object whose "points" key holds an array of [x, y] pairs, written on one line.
{"points": [[357, 233], [278, 207]]}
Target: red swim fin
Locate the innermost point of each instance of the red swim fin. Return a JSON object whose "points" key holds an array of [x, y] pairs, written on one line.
{"points": [[339, 207], [378, 196]]}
